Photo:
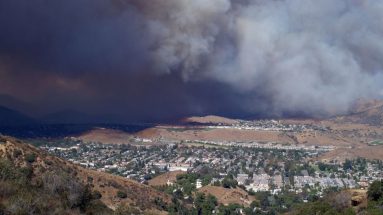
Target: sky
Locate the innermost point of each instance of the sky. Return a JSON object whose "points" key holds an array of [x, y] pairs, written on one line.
{"points": [[157, 60]]}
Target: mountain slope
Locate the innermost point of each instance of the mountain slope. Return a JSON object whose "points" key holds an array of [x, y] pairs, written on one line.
{"points": [[48, 174], [104, 135], [9, 117], [365, 112], [16, 104], [211, 119]]}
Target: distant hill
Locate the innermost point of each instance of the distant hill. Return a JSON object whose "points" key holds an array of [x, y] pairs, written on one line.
{"points": [[210, 120], [16, 104], [363, 105], [365, 112], [36, 181], [9, 117], [106, 136]]}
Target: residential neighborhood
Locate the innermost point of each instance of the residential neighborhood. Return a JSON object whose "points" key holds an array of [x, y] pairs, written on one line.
{"points": [[256, 169]]}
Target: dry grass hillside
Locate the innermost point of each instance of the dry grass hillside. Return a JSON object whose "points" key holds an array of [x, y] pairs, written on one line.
{"points": [[114, 190], [365, 112], [210, 120], [358, 134], [103, 135], [162, 179], [227, 196]]}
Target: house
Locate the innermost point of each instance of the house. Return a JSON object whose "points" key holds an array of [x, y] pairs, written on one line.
{"points": [[260, 183], [241, 178], [198, 184], [179, 167]]}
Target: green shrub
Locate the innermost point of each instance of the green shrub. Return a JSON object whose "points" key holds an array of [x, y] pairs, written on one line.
{"points": [[7, 170], [121, 194], [30, 157], [228, 182], [48, 162], [375, 191], [96, 194], [17, 153], [160, 203], [27, 171]]}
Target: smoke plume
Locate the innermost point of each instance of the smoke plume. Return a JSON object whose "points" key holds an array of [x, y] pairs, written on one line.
{"points": [[232, 57]]}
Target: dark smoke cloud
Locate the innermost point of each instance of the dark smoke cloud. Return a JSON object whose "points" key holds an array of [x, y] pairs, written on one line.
{"points": [[161, 59]]}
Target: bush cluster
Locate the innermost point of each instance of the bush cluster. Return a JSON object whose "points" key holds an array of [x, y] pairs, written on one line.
{"points": [[21, 192]]}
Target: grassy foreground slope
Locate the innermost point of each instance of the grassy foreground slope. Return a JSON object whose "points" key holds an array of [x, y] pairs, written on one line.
{"points": [[33, 182]]}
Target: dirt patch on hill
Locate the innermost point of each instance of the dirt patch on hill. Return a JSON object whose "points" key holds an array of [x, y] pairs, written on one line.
{"points": [[108, 185], [164, 178], [226, 134], [103, 135], [322, 139], [228, 196], [210, 120], [369, 152], [150, 133]]}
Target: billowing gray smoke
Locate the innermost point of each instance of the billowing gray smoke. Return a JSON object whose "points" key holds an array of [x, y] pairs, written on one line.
{"points": [[276, 56], [306, 55]]}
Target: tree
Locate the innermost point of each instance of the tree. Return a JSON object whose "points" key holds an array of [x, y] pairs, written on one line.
{"points": [[86, 197], [231, 209], [229, 182], [205, 204], [375, 191], [254, 204], [263, 198], [217, 183], [209, 204], [206, 180], [347, 165], [199, 200]]}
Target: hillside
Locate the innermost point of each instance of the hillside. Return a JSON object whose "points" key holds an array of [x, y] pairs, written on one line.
{"points": [[210, 120], [365, 112], [362, 105], [64, 185], [9, 117], [228, 196], [104, 135], [17, 104], [163, 179]]}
